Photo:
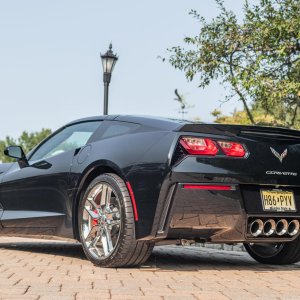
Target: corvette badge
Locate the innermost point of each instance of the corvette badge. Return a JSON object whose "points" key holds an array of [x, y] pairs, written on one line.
{"points": [[279, 156]]}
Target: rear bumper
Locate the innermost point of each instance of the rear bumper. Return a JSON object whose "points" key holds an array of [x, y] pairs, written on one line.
{"points": [[216, 216], [210, 216]]}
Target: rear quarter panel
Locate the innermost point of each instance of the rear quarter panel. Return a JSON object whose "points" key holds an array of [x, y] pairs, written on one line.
{"points": [[141, 158]]}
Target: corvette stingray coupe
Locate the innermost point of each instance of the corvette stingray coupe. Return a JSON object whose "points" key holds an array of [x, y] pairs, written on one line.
{"points": [[121, 184]]}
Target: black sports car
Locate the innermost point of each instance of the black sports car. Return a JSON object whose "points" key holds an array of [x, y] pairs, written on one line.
{"points": [[121, 184]]}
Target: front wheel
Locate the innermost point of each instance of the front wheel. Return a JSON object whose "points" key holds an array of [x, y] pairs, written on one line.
{"points": [[106, 224], [275, 253]]}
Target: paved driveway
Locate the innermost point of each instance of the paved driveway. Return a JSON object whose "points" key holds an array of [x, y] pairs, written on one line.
{"points": [[31, 269]]}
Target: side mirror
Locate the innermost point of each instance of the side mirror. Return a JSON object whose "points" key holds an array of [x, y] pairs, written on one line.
{"points": [[18, 153]]}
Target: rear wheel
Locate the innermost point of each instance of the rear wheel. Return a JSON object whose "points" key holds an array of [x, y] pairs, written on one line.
{"points": [[106, 224], [276, 253]]}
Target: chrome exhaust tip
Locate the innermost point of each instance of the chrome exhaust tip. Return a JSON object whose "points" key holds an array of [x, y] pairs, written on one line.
{"points": [[281, 227], [269, 227], [256, 227], [293, 227]]}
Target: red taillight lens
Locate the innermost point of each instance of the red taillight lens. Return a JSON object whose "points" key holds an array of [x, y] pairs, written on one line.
{"points": [[232, 149], [199, 146]]}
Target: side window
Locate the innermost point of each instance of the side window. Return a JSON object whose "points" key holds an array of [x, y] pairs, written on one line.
{"points": [[69, 138], [116, 129], [112, 129]]}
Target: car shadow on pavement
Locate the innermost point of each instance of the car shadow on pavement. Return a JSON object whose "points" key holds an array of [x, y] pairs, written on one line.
{"points": [[48, 247], [163, 258], [170, 258]]}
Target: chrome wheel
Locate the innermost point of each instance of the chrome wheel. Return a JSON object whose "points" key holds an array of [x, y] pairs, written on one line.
{"points": [[101, 220], [106, 224]]}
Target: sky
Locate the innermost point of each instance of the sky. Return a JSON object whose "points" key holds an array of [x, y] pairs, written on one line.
{"points": [[51, 72]]}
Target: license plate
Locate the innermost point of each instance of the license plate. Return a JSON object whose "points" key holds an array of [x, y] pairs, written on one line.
{"points": [[278, 200]]}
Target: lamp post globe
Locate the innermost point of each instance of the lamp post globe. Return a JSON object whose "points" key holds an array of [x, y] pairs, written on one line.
{"points": [[109, 60]]}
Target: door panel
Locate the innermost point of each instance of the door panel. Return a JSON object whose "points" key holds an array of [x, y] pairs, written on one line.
{"points": [[37, 196]]}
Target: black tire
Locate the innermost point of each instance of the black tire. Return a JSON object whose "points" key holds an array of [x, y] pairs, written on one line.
{"points": [[275, 254], [127, 252]]}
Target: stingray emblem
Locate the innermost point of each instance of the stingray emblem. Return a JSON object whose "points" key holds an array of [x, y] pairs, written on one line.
{"points": [[279, 156]]}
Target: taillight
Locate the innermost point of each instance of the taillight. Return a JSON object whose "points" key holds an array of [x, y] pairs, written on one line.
{"points": [[205, 146], [199, 146], [232, 148]]}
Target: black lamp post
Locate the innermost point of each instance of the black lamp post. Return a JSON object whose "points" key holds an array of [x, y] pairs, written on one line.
{"points": [[109, 60]]}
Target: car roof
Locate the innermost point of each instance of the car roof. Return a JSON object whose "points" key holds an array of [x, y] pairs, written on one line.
{"points": [[151, 121]]}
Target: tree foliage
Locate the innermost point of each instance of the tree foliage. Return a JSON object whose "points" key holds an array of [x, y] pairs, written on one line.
{"points": [[27, 141], [258, 58], [240, 117]]}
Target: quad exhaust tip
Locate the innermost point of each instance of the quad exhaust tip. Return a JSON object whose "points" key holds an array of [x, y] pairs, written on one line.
{"points": [[293, 227], [256, 227], [281, 227], [270, 227]]}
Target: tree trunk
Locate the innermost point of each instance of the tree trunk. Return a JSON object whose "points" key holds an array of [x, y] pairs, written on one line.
{"points": [[250, 116]]}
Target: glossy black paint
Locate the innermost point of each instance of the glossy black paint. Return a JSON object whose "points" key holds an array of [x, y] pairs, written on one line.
{"points": [[42, 198]]}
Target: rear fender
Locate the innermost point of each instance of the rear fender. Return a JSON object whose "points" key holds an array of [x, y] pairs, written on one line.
{"points": [[92, 171]]}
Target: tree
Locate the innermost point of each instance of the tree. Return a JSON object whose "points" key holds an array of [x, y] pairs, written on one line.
{"points": [[257, 58], [27, 141], [240, 117]]}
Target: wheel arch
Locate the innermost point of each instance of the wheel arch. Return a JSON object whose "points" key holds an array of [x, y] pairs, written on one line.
{"points": [[89, 174]]}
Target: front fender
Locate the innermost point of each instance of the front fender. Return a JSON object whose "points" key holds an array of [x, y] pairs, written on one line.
{"points": [[4, 168]]}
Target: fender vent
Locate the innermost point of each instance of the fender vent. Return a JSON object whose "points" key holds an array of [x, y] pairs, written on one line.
{"points": [[178, 154]]}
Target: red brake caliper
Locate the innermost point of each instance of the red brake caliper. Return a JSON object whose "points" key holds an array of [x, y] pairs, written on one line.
{"points": [[95, 221]]}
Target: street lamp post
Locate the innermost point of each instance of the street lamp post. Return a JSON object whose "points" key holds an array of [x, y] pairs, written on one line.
{"points": [[109, 60]]}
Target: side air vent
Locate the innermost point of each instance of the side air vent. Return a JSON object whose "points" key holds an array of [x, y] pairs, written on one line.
{"points": [[178, 154]]}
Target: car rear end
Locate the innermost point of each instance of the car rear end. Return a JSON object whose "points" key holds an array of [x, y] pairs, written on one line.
{"points": [[231, 183]]}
